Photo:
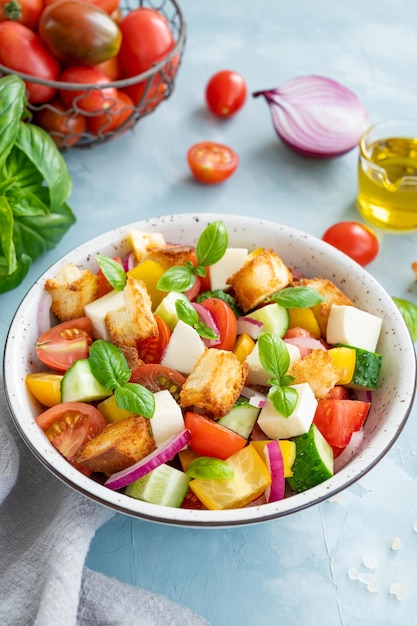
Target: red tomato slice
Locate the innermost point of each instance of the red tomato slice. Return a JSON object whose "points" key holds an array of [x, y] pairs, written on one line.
{"points": [[104, 285], [69, 426], [354, 239], [63, 344], [157, 377], [212, 163], [205, 283], [211, 439], [338, 419], [151, 350], [225, 320]]}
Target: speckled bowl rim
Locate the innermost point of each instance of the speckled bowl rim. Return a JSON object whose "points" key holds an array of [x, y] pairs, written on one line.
{"points": [[392, 403]]}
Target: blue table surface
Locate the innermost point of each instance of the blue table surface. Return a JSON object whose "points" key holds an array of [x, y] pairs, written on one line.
{"points": [[351, 560]]}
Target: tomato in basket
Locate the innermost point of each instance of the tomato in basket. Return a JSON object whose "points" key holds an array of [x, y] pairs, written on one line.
{"points": [[26, 12], [65, 127], [109, 6], [118, 115], [89, 100]]}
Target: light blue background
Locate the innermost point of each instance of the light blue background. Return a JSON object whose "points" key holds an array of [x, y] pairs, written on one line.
{"points": [[333, 564]]}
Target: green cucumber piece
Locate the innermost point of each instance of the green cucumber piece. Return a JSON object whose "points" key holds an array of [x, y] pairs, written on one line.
{"points": [[275, 318], [166, 308], [79, 385], [165, 485], [313, 461], [367, 369], [241, 419]]}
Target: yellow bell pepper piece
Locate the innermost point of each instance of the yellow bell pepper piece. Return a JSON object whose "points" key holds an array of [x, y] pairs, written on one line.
{"points": [[150, 272], [111, 411], [254, 253], [243, 347], [305, 318], [287, 451], [344, 358]]}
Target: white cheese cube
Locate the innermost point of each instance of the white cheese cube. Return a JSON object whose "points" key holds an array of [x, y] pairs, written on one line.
{"points": [[167, 419], [184, 348], [276, 426], [349, 325], [231, 261], [256, 373], [143, 241], [98, 309]]}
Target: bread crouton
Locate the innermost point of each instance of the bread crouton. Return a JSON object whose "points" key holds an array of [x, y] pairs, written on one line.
{"points": [[131, 355], [142, 242], [135, 320], [71, 289], [258, 279], [118, 446], [331, 294], [170, 254], [318, 370], [215, 383]]}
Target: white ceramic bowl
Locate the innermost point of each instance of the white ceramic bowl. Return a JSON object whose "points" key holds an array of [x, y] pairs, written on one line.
{"points": [[391, 402]]}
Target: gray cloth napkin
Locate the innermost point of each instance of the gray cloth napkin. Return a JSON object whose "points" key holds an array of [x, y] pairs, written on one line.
{"points": [[45, 533]]}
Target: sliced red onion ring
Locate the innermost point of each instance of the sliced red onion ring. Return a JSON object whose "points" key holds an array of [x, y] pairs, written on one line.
{"points": [[305, 344], [207, 317], [161, 455], [275, 465], [256, 398], [43, 317], [130, 261], [349, 452], [316, 116], [249, 326]]}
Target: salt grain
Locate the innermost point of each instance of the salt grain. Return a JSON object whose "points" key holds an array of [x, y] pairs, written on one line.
{"points": [[398, 589], [396, 544]]}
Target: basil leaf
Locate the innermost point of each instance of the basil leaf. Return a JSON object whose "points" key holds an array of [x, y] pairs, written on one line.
{"points": [[409, 312], [297, 297], [12, 106], [177, 278], [10, 281], [211, 244], [186, 312], [205, 331], [136, 399], [108, 364], [209, 468], [284, 399], [6, 235], [273, 354], [113, 271]]}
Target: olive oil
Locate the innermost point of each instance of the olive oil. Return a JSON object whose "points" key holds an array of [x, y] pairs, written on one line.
{"points": [[387, 194]]}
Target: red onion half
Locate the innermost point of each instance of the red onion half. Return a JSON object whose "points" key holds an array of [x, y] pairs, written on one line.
{"points": [[316, 116]]}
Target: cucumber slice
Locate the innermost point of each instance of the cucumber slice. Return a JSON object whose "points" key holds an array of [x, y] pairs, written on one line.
{"points": [[367, 369], [275, 318], [241, 419], [166, 309], [79, 385], [313, 461], [165, 485]]}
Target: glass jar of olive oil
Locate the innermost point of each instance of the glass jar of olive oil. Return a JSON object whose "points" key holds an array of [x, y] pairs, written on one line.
{"points": [[387, 176]]}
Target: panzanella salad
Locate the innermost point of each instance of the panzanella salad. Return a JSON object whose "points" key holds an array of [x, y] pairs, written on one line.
{"points": [[203, 376]]}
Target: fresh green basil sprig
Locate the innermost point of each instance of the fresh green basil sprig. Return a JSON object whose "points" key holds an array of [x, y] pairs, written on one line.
{"points": [[209, 468], [210, 248], [34, 186], [113, 271], [297, 297], [109, 366], [187, 314], [275, 359], [409, 312]]}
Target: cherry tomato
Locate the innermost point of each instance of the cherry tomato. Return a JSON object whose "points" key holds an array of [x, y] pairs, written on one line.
{"points": [[211, 439], [225, 320], [60, 346], [89, 100], [205, 284], [212, 163], [354, 239], [109, 6], [104, 285], [26, 12], [157, 377], [22, 50], [338, 419], [119, 115], [111, 68], [69, 426], [151, 350], [226, 93], [65, 127]]}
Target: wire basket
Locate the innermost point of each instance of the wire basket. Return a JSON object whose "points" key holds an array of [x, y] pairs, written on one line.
{"points": [[152, 87]]}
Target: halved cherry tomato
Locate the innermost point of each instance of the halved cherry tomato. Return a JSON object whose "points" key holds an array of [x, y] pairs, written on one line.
{"points": [[156, 377], [26, 12], [119, 115], [354, 239], [45, 386], [338, 419], [151, 349], [225, 320], [90, 100], [212, 163], [211, 439], [226, 93], [66, 128], [69, 426], [60, 346], [104, 286]]}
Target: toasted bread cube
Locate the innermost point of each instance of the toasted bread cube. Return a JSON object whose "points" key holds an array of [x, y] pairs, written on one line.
{"points": [[318, 370], [258, 279], [215, 383], [135, 320], [71, 289], [118, 446], [331, 294], [170, 254], [142, 242]]}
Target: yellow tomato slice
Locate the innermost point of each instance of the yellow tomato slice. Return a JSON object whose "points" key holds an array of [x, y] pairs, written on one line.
{"points": [[111, 411], [344, 358], [46, 387], [243, 346]]}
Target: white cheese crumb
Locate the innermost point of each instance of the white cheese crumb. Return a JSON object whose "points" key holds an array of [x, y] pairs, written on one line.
{"points": [[396, 544], [398, 589], [352, 573], [415, 527], [370, 561], [369, 580]]}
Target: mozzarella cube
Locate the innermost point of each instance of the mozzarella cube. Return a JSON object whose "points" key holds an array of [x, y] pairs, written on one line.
{"points": [[231, 261], [98, 309], [184, 348], [276, 426], [167, 419], [257, 375], [351, 326]]}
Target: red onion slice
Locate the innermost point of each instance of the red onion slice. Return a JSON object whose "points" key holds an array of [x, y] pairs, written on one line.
{"points": [[207, 317], [275, 465], [256, 398], [249, 326], [316, 116], [130, 261], [305, 344], [161, 455], [43, 317]]}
